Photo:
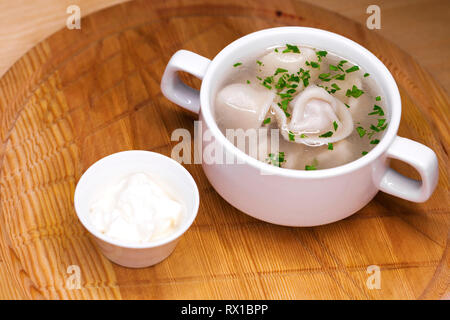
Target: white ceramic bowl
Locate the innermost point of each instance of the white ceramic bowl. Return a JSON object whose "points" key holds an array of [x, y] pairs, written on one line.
{"points": [[297, 197], [118, 165]]}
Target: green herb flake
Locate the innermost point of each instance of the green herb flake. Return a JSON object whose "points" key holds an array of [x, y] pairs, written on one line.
{"points": [[284, 104], [326, 134], [378, 98], [276, 160], [339, 76], [321, 54], [315, 65], [335, 125], [347, 105], [291, 48], [335, 86], [237, 64], [280, 70], [352, 69], [377, 110], [366, 75], [355, 92], [333, 68], [311, 167], [381, 123], [361, 131], [324, 76], [291, 136], [364, 153], [303, 136], [374, 141], [330, 146], [276, 50], [266, 121], [259, 62], [248, 81], [374, 128]]}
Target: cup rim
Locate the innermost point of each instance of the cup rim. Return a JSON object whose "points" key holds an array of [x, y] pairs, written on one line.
{"points": [[153, 244], [377, 151]]}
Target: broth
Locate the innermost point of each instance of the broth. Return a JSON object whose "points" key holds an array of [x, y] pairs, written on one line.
{"points": [[328, 110]]}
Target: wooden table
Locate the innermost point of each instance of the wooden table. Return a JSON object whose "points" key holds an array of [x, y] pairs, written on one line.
{"points": [[83, 94]]}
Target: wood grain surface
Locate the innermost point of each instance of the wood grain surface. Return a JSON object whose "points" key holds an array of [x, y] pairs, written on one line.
{"points": [[83, 94]]}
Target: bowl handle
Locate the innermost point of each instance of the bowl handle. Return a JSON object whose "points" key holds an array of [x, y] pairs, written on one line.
{"points": [[419, 156], [174, 89]]}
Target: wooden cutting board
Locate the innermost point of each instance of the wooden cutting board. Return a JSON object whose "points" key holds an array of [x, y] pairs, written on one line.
{"points": [[83, 94]]}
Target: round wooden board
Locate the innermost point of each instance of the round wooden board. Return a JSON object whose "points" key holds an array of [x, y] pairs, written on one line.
{"points": [[83, 94]]}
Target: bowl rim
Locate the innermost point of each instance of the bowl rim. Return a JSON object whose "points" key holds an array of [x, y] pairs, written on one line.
{"points": [[230, 50], [153, 244]]}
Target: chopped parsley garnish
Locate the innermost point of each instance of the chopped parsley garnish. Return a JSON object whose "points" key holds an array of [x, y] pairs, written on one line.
{"points": [[324, 76], [276, 160], [291, 136], [304, 76], [355, 92], [314, 65], [276, 50], [364, 153], [361, 131], [335, 86], [259, 62], [377, 110], [291, 48], [378, 98], [339, 76], [381, 124], [330, 146], [303, 136], [281, 83], [311, 167], [284, 95], [341, 64], [266, 121], [374, 128], [374, 141], [248, 81], [284, 104], [366, 75], [347, 105], [280, 70], [267, 81], [237, 64], [333, 68], [335, 125], [326, 134], [321, 54], [352, 69]]}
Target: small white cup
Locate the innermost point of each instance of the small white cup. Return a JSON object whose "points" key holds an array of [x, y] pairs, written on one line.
{"points": [[120, 164]]}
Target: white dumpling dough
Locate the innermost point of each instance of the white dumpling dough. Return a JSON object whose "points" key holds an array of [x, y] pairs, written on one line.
{"points": [[292, 154], [289, 61], [314, 112], [242, 106]]}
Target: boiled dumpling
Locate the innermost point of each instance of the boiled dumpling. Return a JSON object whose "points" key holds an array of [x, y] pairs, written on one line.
{"points": [[242, 106], [270, 153], [317, 118], [290, 61]]}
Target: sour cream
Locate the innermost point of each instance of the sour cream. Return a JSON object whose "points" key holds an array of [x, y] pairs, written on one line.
{"points": [[136, 209]]}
